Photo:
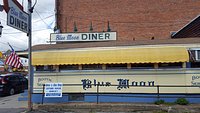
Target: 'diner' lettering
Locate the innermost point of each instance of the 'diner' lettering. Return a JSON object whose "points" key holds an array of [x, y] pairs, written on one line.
{"points": [[95, 36]]}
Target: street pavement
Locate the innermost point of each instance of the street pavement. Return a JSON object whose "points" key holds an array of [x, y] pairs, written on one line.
{"points": [[10, 104]]}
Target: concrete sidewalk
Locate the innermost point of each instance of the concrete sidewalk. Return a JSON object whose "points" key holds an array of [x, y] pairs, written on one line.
{"points": [[10, 104], [114, 108]]}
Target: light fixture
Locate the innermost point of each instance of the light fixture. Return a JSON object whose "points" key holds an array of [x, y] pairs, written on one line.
{"points": [[0, 29], [1, 7], [75, 28]]}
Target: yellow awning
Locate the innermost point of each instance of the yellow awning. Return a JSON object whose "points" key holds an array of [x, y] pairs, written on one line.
{"points": [[111, 56]]}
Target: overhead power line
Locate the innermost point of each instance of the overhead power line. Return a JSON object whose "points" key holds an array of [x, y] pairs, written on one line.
{"points": [[37, 30], [41, 18], [12, 45]]}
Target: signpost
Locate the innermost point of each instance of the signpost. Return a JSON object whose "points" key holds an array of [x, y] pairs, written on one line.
{"points": [[30, 68]]}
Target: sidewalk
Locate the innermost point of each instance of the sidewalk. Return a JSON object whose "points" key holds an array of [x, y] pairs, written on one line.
{"points": [[114, 108], [12, 102]]}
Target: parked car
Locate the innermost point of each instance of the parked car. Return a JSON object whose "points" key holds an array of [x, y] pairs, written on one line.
{"points": [[12, 83]]}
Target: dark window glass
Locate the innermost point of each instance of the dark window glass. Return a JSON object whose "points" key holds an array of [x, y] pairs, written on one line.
{"points": [[198, 54], [22, 79], [39, 68], [13, 79], [142, 66], [170, 65], [116, 66], [68, 67], [195, 64], [92, 67], [6, 78], [76, 97], [45, 68]]}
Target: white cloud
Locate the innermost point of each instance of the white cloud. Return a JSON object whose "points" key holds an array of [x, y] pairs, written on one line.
{"points": [[42, 18]]}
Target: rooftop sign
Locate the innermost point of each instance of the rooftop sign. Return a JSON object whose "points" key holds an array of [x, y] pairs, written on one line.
{"points": [[92, 36]]}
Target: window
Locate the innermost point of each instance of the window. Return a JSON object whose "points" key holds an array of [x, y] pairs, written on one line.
{"points": [[195, 64], [13, 79], [21, 79], [170, 65], [92, 67], [142, 66], [68, 67], [76, 97], [198, 54], [116, 66], [45, 68], [194, 55]]}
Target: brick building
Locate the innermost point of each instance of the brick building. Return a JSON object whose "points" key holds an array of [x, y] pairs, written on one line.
{"points": [[133, 20]]}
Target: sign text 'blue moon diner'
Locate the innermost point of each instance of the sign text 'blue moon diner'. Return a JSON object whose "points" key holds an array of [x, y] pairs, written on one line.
{"points": [[95, 36]]}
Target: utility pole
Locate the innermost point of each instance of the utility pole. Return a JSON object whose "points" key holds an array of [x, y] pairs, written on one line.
{"points": [[30, 70], [1, 27]]}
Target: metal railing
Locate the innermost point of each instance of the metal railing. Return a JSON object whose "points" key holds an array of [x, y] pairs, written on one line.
{"points": [[157, 93]]}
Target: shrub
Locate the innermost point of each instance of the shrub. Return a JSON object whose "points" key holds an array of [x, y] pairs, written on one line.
{"points": [[182, 101], [158, 102]]}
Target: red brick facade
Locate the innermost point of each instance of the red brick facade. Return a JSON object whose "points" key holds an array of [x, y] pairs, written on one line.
{"points": [[133, 20]]}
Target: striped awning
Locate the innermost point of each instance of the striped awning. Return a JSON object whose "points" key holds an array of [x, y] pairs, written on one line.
{"points": [[114, 55]]}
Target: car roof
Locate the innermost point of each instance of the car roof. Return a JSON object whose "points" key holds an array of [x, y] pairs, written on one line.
{"points": [[11, 74]]}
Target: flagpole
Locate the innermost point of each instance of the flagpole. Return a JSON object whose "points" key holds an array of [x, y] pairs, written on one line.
{"points": [[30, 71]]}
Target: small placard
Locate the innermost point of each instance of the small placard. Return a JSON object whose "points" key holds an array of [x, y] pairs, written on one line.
{"points": [[53, 89]]}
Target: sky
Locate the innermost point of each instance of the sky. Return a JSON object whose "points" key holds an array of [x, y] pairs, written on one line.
{"points": [[43, 22]]}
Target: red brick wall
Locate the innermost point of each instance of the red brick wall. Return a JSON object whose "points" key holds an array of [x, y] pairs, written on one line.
{"points": [[131, 19]]}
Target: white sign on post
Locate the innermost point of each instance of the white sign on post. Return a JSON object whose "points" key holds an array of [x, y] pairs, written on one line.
{"points": [[53, 89], [16, 17]]}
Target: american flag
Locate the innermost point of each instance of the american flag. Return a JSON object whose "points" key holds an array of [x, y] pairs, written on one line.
{"points": [[13, 59]]}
